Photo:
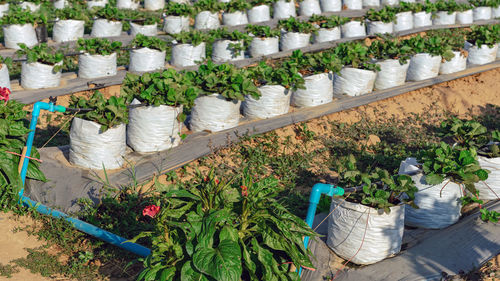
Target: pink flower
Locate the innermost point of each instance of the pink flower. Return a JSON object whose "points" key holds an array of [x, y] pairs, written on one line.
{"points": [[151, 211], [4, 94]]}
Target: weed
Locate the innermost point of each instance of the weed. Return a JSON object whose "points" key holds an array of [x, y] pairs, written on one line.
{"points": [[7, 270]]}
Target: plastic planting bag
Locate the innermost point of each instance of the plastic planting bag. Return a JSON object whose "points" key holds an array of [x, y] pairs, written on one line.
{"points": [[481, 13], [154, 5], [60, 4], [330, 5], [371, 3], [4, 9], [17, 33], [498, 52], [483, 55], [294, 40], [309, 8], [439, 205], [187, 54], [422, 19], [4, 76], [390, 2], [353, 81], [95, 66], [423, 66], [404, 21], [207, 20], [353, 29], [153, 128], [127, 4], [96, 3], [37, 75], [214, 113], [31, 6], [68, 30], [327, 35], [465, 17], [148, 30], [175, 24], [456, 64], [91, 148], [443, 18], [490, 188], [318, 90], [221, 51], [106, 28], [236, 18], [264, 46], [375, 27], [274, 101], [259, 13], [283, 9], [353, 4], [146, 59], [391, 74], [495, 12], [383, 233]]}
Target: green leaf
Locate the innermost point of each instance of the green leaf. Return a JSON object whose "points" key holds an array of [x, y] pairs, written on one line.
{"points": [[433, 179], [222, 263], [189, 273]]}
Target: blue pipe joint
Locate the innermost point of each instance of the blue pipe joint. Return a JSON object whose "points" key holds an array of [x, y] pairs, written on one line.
{"points": [[324, 188]]}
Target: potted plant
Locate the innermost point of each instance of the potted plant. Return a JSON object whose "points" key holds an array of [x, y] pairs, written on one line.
{"points": [[455, 39], [441, 175], [259, 11], [157, 124], [70, 24], [295, 34], [403, 17], [352, 4], [98, 58], [317, 70], [375, 214], [283, 9], [309, 7], [17, 26], [328, 28], [177, 18], [422, 14], [228, 46], [354, 28], [235, 13], [482, 9], [392, 57], [147, 53], [357, 77], [223, 87], [154, 5], [108, 22], [446, 12], [330, 5], [142, 23], [190, 48], [207, 14], [429, 51], [265, 41], [464, 13], [42, 68], [482, 44], [97, 134], [380, 21], [5, 64]]}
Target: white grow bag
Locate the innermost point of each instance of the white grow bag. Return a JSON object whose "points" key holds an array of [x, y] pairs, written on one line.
{"points": [[95, 66], [422, 19], [4, 9], [283, 9], [17, 33], [353, 29], [37, 75], [498, 52], [490, 188], [96, 3], [438, 207], [93, 149], [353, 81], [294, 40], [375, 27], [153, 128], [207, 20], [327, 35], [4, 76], [309, 8], [465, 17], [175, 24], [423, 66], [60, 4], [482, 13], [318, 90], [264, 46], [154, 5], [146, 59], [128, 4], [443, 18], [404, 21], [221, 51], [330, 5], [391, 74], [31, 6], [68, 30], [371, 3], [148, 30], [353, 4], [214, 113], [495, 12], [456, 64], [346, 230], [274, 101], [187, 54], [235, 18], [259, 13], [483, 55], [390, 2], [106, 28]]}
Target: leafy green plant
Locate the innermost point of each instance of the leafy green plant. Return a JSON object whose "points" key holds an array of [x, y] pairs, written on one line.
{"points": [[262, 31], [293, 25], [108, 12], [314, 63], [453, 38], [262, 2], [194, 37], [98, 46], [285, 75], [106, 112], [462, 7], [355, 54], [139, 17], [236, 5], [386, 15], [178, 9], [152, 42], [433, 45], [484, 3], [18, 15], [208, 5], [328, 21], [489, 215], [42, 54], [449, 6], [428, 7], [76, 12], [225, 230], [484, 35], [223, 34], [388, 48]]}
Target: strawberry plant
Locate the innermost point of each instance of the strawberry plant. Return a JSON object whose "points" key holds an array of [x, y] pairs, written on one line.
{"points": [[390, 49], [404, 7], [386, 15], [194, 37], [178, 9], [72, 13], [484, 3], [262, 31], [18, 15], [314, 63], [108, 12], [449, 6], [208, 5], [294, 25], [428, 7], [355, 54], [328, 21], [433, 45], [285, 75], [139, 17], [42, 54], [224, 34], [106, 112], [461, 7], [98, 46], [143, 41], [453, 38], [484, 35], [254, 3], [236, 5]]}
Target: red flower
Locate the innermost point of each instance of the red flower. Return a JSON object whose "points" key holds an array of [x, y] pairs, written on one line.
{"points": [[244, 191], [4, 94], [216, 181], [205, 179], [151, 211]]}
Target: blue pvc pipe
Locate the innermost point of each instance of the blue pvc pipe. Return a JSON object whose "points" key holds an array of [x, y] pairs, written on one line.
{"points": [[78, 224]]}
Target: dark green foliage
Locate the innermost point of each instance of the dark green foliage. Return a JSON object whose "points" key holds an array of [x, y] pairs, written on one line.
{"points": [[43, 54], [151, 42], [294, 25], [98, 46]]}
